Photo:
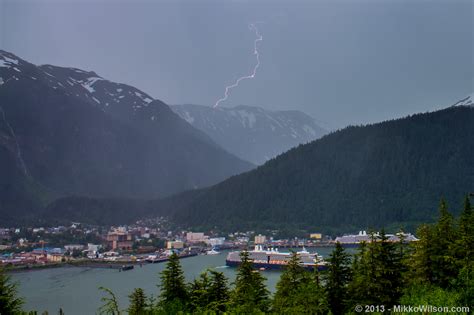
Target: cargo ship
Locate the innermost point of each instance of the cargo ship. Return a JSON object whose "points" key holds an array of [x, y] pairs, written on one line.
{"points": [[273, 259]]}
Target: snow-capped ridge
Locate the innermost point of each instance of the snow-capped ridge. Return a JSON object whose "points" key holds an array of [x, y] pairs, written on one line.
{"points": [[252, 133]]}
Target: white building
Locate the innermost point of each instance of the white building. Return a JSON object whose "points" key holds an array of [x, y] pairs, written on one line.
{"points": [[198, 237], [216, 241]]}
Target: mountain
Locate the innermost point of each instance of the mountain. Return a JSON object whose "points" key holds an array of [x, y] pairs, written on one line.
{"points": [[252, 133], [65, 131], [391, 173]]}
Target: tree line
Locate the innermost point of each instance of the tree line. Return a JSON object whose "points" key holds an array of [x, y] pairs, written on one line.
{"points": [[437, 270]]}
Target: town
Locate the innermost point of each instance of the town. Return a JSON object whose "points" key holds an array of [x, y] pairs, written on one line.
{"points": [[150, 241]]}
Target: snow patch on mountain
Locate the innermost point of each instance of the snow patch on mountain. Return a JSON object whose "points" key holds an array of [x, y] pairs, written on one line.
{"points": [[252, 133], [468, 101], [88, 84], [7, 62]]}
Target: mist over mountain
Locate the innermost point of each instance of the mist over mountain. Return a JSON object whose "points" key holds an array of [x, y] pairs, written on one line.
{"points": [[252, 133], [65, 131]]}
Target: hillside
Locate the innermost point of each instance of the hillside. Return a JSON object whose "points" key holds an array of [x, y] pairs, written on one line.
{"points": [[390, 173], [65, 131], [252, 133]]}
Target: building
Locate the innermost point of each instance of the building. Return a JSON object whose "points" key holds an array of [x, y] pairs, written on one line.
{"points": [[216, 241], [93, 247], [72, 247], [55, 257], [316, 236], [119, 240], [192, 237], [174, 245], [260, 239]]}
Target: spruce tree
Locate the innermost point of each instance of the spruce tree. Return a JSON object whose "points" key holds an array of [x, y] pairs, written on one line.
{"points": [[290, 281], [173, 294], [110, 306], [209, 292], [138, 303], [420, 261], [219, 292], [389, 265], [250, 294], [358, 289], [442, 244], [299, 291], [337, 280], [199, 293], [10, 303], [466, 231]]}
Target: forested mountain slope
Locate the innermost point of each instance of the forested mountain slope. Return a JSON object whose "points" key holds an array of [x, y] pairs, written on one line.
{"points": [[387, 173], [65, 131]]}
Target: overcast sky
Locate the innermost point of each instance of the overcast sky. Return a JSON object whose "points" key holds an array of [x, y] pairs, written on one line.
{"points": [[343, 62]]}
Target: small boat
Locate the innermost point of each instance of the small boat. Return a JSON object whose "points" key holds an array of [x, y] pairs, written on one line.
{"points": [[212, 252], [126, 267]]}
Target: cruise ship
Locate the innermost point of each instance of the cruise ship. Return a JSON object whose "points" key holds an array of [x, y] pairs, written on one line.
{"points": [[273, 259], [355, 239]]}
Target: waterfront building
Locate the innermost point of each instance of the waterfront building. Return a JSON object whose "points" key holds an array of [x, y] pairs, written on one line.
{"points": [[174, 245], [119, 240], [71, 247], [316, 236], [193, 237], [260, 239], [216, 241], [55, 257]]}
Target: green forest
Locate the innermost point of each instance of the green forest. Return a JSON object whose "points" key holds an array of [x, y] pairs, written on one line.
{"points": [[388, 174], [437, 270]]}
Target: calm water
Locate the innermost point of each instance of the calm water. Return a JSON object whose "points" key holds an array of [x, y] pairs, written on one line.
{"points": [[75, 289]]}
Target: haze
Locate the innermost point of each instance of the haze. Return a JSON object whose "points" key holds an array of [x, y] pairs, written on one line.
{"points": [[343, 62]]}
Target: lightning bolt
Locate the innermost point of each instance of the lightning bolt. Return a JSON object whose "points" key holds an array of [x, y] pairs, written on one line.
{"points": [[258, 39]]}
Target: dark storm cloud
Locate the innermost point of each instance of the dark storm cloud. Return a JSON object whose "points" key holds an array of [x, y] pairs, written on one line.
{"points": [[341, 61]]}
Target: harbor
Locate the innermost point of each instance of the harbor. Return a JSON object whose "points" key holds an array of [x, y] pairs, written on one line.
{"points": [[43, 289]]}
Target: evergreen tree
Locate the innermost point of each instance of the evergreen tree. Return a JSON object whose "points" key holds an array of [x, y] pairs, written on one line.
{"points": [[138, 303], [209, 292], [199, 291], [377, 273], [290, 282], [250, 294], [173, 293], [219, 292], [442, 244], [466, 231], [337, 280], [110, 306], [421, 258], [389, 266], [299, 291], [10, 303], [355, 286]]}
